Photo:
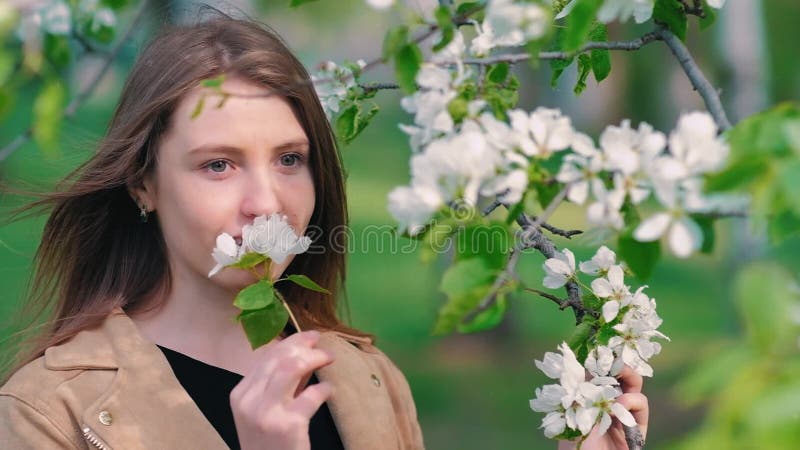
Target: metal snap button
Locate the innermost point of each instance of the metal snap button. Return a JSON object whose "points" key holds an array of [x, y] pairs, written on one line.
{"points": [[105, 417], [376, 381]]}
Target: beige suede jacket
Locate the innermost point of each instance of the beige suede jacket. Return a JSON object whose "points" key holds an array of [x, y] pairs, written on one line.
{"points": [[110, 388]]}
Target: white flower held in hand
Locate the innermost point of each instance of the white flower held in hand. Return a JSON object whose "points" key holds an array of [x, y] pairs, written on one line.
{"points": [[272, 237]]}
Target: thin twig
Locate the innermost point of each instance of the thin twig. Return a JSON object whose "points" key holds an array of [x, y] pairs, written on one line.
{"points": [[631, 45], [529, 234], [89, 88], [696, 77]]}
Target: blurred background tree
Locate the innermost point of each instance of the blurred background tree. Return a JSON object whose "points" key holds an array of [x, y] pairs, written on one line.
{"points": [[728, 379]]}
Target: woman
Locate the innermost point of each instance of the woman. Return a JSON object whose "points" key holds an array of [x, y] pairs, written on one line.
{"points": [[143, 351], [134, 307]]}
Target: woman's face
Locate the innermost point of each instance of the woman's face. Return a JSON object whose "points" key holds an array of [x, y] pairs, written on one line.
{"points": [[218, 171]]}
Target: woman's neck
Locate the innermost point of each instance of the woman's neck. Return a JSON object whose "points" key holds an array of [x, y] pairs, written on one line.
{"points": [[198, 321]]}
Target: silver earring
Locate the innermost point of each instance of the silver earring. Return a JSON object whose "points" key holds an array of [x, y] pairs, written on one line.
{"points": [[143, 213]]}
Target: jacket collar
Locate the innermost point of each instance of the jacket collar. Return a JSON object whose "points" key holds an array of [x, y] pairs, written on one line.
{"points": [[144, 392]]}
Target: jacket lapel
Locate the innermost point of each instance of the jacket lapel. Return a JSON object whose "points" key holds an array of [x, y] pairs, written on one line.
{"points": [[145, 406], [360, 405]]}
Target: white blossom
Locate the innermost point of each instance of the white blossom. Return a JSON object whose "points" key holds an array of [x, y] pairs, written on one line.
{"points": [[512, 21], [225, 253], [457, 165], [600, 362], [620, 10], [380, 4], [605, 212], [559, 270], [602, 260], [273, 237], [580, 169], [332, 85], [542, 132], [413, 206], [57, 18], [716, 3]]}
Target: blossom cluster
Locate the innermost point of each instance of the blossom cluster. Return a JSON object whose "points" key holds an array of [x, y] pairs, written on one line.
{"points": [[629, 320], [622, 10], [56, 17], [333, 84], [270, 236], [643, 161]]}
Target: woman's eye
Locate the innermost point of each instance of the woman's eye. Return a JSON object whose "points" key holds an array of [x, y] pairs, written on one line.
{"points": [[291, 159], [218, 164]]}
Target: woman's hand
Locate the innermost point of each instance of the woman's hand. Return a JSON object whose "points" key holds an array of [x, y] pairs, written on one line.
{"points": [[634, 401], [271, 409]]}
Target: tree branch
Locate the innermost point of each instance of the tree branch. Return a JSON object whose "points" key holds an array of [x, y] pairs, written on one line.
{"points": [[512, 58], [76, 102], [696, 77]]}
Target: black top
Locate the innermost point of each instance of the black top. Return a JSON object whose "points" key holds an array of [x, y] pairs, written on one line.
{"points": [[210, 388]]}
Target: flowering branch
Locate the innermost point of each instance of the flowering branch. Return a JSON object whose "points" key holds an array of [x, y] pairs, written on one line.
{"points": [[696, 77], [76, 102], [631, 45]]}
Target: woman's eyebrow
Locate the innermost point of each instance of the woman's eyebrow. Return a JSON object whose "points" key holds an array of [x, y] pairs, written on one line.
{"points": [[222, 148]]}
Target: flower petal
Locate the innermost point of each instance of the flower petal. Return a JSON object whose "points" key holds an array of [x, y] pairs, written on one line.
{"points": [[652, 228]]}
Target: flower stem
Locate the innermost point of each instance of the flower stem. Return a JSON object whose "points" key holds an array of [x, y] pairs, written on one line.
{"points": [[291, 316]]}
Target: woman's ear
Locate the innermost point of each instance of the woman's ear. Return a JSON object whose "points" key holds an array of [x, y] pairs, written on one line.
{"points": [[143, 194]]}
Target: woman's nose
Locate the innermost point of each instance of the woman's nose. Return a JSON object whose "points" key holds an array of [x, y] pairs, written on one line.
{"points": [[261, 196]]}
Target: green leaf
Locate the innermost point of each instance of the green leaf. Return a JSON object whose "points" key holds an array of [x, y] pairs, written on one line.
{"points": [[6, 66], [765, 292], [467, 7], [406, 66], [296, 3], [395, 39], [546, 193], [605, 333], [640, 256], [115, 4], [498, 73], [783, 226], [248, 260], [353, 121], [671, 14], [48, 113], [458, 108], [714, 372], [465, 275], [578, 340], [262, 325], [256, 296], [579, 23], [213, 83], [465, 283], [445, 22], [710, 17], [739, 173], [57, 50], [491, 242], [517, 209], [6, 101], [198, 108], [584, 68], [307, 283], [706, 224], [487, 319], [601, 59], [789, 179]]}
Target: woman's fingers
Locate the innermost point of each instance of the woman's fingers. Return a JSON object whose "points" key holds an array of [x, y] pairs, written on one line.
{"points": [[630, 381], [291, 372], [637, 404], [311, 398]]}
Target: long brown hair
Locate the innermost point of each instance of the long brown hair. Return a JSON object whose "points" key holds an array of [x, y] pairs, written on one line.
{"points": [[96, 255]]}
